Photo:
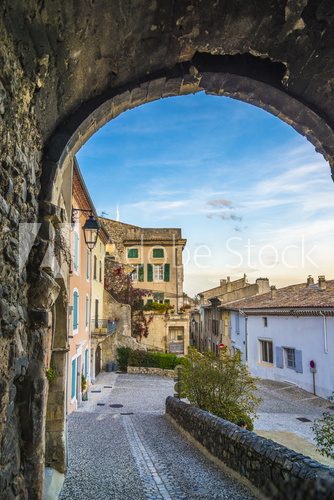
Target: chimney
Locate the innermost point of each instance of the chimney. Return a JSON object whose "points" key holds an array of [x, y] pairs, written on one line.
{"points": [[228, 284], [222, 283], [273, 292], [310, 280], [322, 282]]}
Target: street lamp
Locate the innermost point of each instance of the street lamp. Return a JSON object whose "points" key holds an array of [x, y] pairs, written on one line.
{"points": [[90, 228]]}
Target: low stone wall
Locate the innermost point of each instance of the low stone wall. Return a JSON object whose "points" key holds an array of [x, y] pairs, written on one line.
{"points": [[151, 371], [276, 471]]}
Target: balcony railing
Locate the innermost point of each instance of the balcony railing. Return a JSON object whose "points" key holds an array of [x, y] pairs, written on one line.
{"points": [[103, 326]]}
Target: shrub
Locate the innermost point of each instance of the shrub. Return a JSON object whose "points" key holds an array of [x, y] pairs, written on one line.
{"points": [[51, 375], [222, 386], [150, 359], [123, 354], [323, 429]]}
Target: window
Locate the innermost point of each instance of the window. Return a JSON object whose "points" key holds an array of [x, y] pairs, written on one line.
{"points": [[149, 301], [76, 252], [158, 272], [290, 357], [73, 378], [138, 273], [100, 272], [175, 333], [167, 301], [266, 351], [133, 253], [87, 264], [265, 322], [86, 364], [95, 265], [75, 310], [87, 310], [158, 253]]}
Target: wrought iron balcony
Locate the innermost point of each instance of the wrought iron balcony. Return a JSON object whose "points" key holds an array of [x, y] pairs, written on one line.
{"points": [[103, 327]]}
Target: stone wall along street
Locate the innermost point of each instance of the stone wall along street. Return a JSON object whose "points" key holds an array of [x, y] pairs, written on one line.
{"points": [[276, 471]]}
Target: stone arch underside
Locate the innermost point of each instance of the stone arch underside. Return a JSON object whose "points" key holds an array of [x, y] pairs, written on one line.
{"points": [[67, 68], [70, 136]]}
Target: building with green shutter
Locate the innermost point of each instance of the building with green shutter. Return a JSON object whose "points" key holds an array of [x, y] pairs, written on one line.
{"points": [[156, 257]]}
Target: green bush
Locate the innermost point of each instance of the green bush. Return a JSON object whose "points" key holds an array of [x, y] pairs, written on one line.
{"points": [[123, 354], [323, 429], [221, 385], [154, 360]]}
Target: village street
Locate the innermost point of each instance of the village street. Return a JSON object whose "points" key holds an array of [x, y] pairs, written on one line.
{"points": [[133, 452]]}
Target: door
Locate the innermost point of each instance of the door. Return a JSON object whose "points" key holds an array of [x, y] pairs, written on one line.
{"points": [[97, 360]]}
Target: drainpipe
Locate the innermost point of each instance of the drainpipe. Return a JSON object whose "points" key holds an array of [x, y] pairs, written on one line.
{"points": [[325, 332], [246, 333]]}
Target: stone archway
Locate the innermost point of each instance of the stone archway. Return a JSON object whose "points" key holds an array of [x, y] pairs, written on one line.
{"points": [[67, 68]]}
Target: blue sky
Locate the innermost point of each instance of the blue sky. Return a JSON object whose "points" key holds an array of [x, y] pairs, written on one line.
{"points": [[250, 194]]}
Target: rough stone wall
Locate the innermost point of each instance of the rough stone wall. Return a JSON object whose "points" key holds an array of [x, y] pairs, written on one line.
{"points": [[276, 471], [151, 371], [23, 337]]}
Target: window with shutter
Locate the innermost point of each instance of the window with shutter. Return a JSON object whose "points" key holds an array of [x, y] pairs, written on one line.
{"points": [[149, 272], [87, 264], [95, 266], [158, 272], [75, 310], [158, 253], [100, 272], [298, 361], [76, 252], [73, 378], [87, 310], [133, 253], [86, 364], [141, 272], [167, 272], [279, 357]]}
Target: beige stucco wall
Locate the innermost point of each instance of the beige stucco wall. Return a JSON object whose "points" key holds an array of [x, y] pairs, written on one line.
{"points": [[97, 283], [158, 337]]}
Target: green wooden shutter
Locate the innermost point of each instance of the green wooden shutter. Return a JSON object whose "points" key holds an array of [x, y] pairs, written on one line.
{"points": [[158, 253], [75, 310], [76, 252], [133, 253], [149, 272], [167, 272], [141, 272]]}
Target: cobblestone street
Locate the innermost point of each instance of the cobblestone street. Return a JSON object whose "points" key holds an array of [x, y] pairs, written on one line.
{"points": [[132, 452]]}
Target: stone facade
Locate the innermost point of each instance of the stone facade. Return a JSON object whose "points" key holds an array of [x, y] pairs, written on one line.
{"points": [[67, 69], [151, 371], [276, 471]]}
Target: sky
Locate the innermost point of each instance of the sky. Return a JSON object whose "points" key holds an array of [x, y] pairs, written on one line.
{"points": [[250, 194]]}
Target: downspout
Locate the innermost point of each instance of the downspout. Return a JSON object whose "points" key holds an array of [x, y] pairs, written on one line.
{"points": [[324, 331], [246, 333]]}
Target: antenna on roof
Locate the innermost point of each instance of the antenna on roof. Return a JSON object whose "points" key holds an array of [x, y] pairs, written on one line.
{"points": [[104, 213]]}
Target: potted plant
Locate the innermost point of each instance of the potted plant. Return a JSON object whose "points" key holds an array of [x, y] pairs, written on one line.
{"points": [[84, 388]]}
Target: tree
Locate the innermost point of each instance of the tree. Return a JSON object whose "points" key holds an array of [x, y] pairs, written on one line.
{"points": [[323, 429], [120, 286], [221, 385]]}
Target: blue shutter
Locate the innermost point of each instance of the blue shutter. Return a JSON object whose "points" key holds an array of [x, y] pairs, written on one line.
{"points": [[87, 264], [75, 310], [76, 252], [279, 357], [86, 364], [87, 304], [74, 376], [299, 361]]}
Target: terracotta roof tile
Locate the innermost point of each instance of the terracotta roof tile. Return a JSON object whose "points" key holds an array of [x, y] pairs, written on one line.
{"points": [[293, 296]]}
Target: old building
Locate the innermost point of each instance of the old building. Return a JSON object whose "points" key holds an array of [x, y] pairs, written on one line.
{"points": [[155, 257], [287, 334], [100, 325], [210, 323], [78, 366]]}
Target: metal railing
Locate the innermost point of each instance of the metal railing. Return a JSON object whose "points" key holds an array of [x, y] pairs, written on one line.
{"points": [[107, 326]]}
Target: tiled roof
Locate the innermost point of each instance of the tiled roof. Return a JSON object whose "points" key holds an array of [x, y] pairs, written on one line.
{"points": [[293, 296]]}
